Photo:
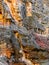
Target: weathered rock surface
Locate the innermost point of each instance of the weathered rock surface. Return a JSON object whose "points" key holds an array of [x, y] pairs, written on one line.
{"points": [[34, 47]]}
